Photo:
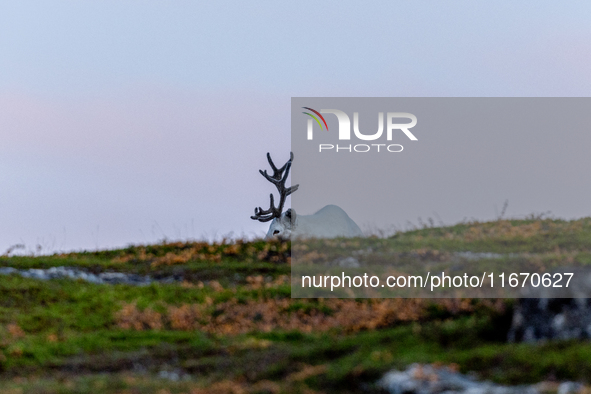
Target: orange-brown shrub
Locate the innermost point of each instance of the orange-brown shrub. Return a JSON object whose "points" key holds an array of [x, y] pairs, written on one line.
{"points": [[234, 317]]}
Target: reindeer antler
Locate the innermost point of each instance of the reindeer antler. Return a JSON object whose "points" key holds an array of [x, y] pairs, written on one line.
{"points": [[278, 179]]}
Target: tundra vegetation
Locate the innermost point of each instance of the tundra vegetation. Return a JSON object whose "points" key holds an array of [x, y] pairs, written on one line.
{"points": [[229, 325]]}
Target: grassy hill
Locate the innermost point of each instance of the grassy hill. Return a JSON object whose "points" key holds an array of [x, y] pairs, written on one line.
{"points": [[227, 324]]}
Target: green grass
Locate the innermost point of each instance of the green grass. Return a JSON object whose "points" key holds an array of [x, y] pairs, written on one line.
{"points": [[66, 336]]}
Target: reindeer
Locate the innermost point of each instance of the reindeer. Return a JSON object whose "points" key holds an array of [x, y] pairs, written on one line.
{"points": [[329, 222]]}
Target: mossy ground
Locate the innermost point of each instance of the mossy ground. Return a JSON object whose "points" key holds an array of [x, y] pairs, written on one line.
{"points": [[229, 325]]}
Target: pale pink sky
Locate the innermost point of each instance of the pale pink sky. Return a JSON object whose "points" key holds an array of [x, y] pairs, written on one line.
{"points": [[127, 123]]}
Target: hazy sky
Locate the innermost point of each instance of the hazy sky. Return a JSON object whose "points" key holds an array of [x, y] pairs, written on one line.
{"points": [[129, 121]]}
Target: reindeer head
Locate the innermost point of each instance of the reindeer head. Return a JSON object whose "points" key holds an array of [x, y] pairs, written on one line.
{"points": [[282, 222]]}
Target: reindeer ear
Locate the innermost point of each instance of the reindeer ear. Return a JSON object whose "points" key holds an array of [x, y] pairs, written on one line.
{"points": [[290, 214]]}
